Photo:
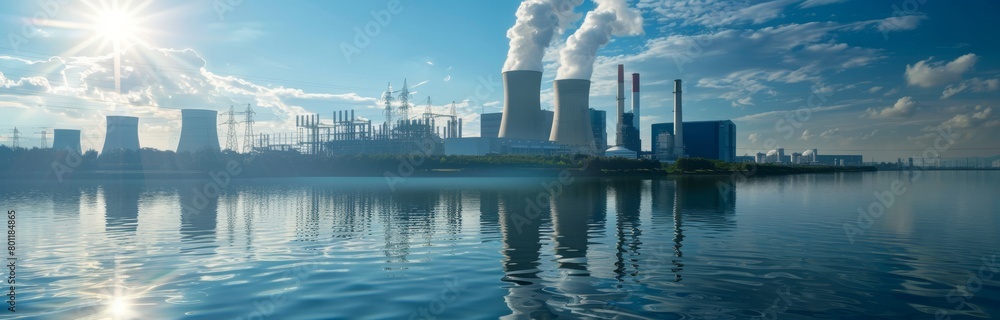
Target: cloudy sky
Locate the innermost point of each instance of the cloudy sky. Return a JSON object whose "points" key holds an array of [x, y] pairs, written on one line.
{"points": [[878, 78]]}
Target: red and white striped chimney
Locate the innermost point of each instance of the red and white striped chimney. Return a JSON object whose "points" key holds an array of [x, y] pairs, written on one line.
{"points": [[635, 101]]}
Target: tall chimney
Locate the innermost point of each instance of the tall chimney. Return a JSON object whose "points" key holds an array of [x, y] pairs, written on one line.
{"points": [[619, 133], [635, 101], [678, 121]]}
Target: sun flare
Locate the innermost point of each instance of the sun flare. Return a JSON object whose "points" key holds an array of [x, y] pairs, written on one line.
{"points": [[116, 25]]}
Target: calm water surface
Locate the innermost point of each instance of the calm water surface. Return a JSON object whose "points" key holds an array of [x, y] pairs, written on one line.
{"points": [[793, 247]]}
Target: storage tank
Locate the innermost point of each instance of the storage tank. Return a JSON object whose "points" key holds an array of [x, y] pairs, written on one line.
{"points": [[66, 139], [571, 122], [522, 111], [198, 130], [122, 133]]}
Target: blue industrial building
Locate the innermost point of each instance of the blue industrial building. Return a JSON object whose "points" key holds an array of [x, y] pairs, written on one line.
{"points": [[702, 139]]}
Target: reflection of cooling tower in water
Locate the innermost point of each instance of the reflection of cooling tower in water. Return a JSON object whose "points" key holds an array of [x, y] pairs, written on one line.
{"points": [[198, 130], [522, 111], [571, 123], [121, 204], [64, 139], [572, 213], [123, 133], [520, 223], [199, 208]]}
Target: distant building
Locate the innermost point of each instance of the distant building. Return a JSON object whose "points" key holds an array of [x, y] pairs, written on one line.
{"points": [[702, 139]]}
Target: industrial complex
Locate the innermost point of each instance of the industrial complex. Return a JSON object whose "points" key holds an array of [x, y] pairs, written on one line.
{"points": [[524, 128]]}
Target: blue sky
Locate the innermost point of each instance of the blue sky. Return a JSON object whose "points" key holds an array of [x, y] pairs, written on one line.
{"points": [[879, 78]]}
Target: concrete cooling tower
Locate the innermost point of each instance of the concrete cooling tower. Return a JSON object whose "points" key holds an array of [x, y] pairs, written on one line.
{"points": [[198, 130], [571, 123], [123, 133], [522, 110], [66, 139]]}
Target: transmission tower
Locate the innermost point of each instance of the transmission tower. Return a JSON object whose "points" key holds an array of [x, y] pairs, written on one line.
{"points": [[387, 99], [17, 137], [45, 139], [248, 125], [231, 142], [404, 102], [428, 111]]}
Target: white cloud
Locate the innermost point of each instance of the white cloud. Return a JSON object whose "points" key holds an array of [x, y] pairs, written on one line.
{"points": [[928, 73], [974, 84], [965, 121], [817, 3], [830, 133], [869, 135], [753, 137], [900, 23], [874, 89], [892, 92], [448, 78], [903, 107], [806, 135]]}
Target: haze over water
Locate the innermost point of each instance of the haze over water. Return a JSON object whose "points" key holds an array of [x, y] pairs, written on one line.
{"points": [[473, 248]]}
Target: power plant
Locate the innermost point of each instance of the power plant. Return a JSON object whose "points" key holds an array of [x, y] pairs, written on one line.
{"points": [[199, 130], [522, 109], [66, 139], [122, 134], [571, 123]]}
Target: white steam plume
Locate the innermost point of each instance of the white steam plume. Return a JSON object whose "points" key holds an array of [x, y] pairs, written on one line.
{"points": [[610, 18], [538, 22]]}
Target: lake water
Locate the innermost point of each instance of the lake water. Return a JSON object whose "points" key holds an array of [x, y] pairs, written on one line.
{"points": [[789, 247]]}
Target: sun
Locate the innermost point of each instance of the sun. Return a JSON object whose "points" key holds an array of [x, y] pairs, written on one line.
{"points": [[116, 25]]}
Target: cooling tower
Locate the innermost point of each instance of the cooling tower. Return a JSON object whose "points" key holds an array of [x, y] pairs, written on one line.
{"points": [[571, 123], [522, 110], [65, 139], [123, 133], [198, 130]]}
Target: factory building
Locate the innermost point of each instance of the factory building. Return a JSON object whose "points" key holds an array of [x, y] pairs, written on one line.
{"points": [[199, 130], [808, 157], [630, 134], [66, 139], [122, 134], [702, 139], [599, 123]]}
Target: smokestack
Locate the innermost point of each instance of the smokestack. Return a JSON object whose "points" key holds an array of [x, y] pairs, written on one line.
{"points": [[522, 110], [571, 122], [635, 101], [678, 121], [620, 132]]}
